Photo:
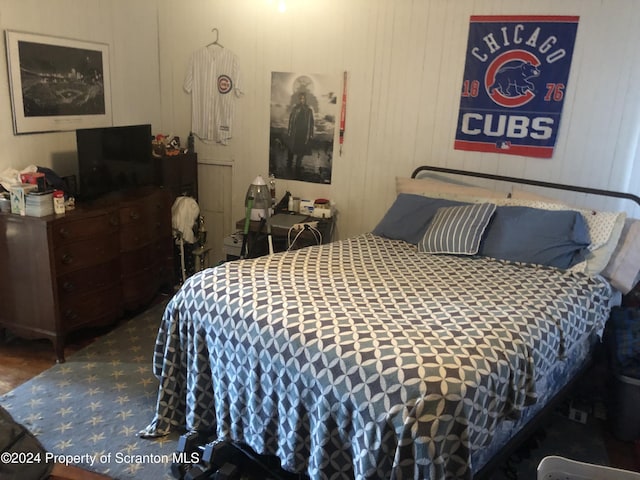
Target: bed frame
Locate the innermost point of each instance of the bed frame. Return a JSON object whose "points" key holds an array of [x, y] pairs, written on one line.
{"points": [[524, 181], [541, 417]]}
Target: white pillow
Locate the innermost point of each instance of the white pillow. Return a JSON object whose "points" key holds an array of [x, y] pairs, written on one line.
{"points": [[624, 267], [518, 194], [600, 254], [440, 189]]}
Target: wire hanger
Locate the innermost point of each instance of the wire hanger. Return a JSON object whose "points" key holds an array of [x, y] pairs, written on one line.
{"points": [[215, 42]]}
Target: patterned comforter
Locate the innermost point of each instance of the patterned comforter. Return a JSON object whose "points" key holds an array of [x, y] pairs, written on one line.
{"points": [[364, 358]]}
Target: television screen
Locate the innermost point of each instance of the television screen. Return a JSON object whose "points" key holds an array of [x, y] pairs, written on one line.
{"points": [[115, 158]]}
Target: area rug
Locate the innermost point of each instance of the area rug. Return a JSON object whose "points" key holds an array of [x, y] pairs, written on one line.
{"points": [[88, 411]]}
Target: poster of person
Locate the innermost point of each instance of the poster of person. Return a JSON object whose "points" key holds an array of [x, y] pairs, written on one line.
{"points": [[303, 119]]}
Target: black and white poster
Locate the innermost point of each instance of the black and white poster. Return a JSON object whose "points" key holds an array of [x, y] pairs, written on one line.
{"points": [[304, 108], [57, 83]]}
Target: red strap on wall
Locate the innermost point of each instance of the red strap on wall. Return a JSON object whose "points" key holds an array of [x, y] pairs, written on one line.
{"points": [[343, 111]]}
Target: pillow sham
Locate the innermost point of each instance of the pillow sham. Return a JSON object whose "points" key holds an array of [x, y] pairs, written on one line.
{"points": [[431, 187], [624, 267], [409, 216], [607, 234], [457, 230], [556, 238], [519, 194]]}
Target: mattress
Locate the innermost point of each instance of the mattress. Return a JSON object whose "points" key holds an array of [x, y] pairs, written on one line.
{"points": [[364, 358]]}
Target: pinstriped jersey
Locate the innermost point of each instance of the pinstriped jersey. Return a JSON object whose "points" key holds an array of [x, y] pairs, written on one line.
{"points": [[213, 80]]}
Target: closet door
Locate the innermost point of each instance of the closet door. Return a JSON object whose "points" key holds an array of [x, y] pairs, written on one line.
{"points": [[214, 198]]}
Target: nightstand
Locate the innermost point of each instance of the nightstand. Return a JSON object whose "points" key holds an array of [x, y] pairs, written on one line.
{"points": [[282, 238]]}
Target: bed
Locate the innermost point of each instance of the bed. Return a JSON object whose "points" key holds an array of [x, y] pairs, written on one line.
{"points": [[412, 351]]}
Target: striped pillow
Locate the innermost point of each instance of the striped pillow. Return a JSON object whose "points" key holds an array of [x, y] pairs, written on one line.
{"points": [[457, 230]]}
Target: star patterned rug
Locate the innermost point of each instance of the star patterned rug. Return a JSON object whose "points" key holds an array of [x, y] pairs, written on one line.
{"points": [[88, 411]]}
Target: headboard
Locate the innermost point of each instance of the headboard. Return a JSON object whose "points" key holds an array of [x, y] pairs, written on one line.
{"points": [[524, 181]]}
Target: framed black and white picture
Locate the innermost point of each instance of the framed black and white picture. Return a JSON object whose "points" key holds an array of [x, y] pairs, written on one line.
{"points": [[57, 83]]}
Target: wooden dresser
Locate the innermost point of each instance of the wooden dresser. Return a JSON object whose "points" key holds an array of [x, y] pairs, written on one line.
{"points": [[86, 267]]}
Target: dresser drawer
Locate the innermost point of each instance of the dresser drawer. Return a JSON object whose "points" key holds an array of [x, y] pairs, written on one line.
{"points": [[86, 227], [98, 307], [136, 260], [134, 237], [74, 256], [161, 226], [140, 288], [150, 209], [144, 222], [154, 253], [163, 247], [88, 279]]}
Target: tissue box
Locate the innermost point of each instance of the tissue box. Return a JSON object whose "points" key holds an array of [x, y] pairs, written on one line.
{"points": [[18, 197]]}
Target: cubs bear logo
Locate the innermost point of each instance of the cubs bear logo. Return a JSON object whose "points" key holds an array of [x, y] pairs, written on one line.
{"points": [[507, 79], [224, 84]]}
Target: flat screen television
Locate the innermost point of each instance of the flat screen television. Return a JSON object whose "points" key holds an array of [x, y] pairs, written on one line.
{"points": [[114, 159]]}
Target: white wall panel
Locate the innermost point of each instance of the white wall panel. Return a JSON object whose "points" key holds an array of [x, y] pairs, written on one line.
{"points": [[130, 30], [405, 60]]}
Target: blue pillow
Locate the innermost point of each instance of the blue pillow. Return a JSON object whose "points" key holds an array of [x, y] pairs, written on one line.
{"points": [[409, 216], [557, 238]]}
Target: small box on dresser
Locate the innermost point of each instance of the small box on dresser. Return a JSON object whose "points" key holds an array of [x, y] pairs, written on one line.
{"points": [[18, 195]]}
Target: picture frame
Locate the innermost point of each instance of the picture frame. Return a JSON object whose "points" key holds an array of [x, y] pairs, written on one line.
{"points": [[57, 84]]}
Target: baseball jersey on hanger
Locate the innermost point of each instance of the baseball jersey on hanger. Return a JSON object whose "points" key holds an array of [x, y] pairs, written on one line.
{"points": [[213, 80]]}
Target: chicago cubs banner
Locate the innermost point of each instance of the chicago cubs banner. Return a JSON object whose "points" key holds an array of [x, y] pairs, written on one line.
{"points": [[514, 83]]}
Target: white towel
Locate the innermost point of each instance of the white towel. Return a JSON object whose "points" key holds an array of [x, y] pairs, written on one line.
{"points": [[184, 213]]}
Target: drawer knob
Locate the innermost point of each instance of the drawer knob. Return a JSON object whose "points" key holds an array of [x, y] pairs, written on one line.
{"points": [[68, 287], [134, 215], [67, 258], [64, 233], [70, 315]]}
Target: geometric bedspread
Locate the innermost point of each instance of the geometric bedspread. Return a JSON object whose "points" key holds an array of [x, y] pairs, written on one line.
{"points": [[364, 358]]}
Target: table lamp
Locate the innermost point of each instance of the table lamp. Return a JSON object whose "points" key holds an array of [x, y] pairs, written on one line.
{"points": [[261, 204], [258, 206]]}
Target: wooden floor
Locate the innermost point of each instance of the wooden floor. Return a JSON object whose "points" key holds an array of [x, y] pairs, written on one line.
{"points": [[21, 360]]}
